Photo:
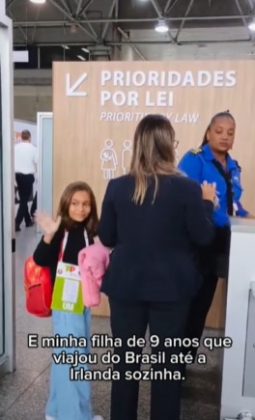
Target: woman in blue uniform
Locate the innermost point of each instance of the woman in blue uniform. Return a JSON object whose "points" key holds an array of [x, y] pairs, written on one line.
{"points": [[212, 163]]}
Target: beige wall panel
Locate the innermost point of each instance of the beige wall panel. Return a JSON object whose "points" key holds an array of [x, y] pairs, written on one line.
{"points": [[217, 312], [80, 135]]}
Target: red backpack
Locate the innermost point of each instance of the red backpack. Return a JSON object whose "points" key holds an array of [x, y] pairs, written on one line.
{"points": [[38, 288]]}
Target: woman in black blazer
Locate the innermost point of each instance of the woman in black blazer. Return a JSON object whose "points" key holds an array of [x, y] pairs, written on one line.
{"points": [[153, 218]]}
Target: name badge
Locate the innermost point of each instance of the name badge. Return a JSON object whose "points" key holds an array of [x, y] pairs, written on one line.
{"points": [[67, 293]]}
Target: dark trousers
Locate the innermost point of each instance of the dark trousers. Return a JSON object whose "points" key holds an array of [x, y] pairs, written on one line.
{"points": [[213, 264], [199, 309], [164, 320], [34, 205], [25, 189]]}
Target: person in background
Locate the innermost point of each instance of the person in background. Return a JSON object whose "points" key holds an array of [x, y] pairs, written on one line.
{"points": [[25, 162], [74, 228], [152, 217], [212, 163]]}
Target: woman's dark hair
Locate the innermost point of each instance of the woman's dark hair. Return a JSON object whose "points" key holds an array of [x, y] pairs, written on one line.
{"points": [[224, 114], [91, 223]]}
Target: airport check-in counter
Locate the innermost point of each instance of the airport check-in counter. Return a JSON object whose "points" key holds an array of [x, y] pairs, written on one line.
{"points": [[238, 380]]}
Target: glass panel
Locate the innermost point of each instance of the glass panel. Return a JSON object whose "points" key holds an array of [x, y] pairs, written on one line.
{"points": [[1, 235], [45, 142], [249, 363]]}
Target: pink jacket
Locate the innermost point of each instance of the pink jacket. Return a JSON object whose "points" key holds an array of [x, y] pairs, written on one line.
{"points": [[93, 262]]}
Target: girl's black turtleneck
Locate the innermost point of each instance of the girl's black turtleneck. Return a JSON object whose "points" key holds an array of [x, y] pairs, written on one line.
{"points": [[47, 255]]}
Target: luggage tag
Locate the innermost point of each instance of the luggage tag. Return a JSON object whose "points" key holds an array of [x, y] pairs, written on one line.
{"points": [[67, 293]]}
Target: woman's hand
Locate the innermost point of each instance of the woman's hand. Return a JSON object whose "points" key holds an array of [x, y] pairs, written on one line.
{"points": [[48, 225], [209, 191]]}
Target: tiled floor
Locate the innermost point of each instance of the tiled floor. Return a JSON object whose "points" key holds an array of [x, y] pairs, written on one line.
{"points": [[23, 394]]}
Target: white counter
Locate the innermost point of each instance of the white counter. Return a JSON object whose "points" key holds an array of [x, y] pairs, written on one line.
{"points": [[240, 224], [238, 382]]}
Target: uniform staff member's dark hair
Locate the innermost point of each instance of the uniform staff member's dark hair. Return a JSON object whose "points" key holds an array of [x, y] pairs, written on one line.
{"points": [[224, 114]]}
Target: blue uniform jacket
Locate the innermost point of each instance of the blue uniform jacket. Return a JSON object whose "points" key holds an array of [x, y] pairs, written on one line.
{"points": [[198, 165]]}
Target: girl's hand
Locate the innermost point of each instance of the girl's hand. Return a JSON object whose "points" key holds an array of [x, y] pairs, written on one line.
{"points": [[48, 225], [209, 191]]}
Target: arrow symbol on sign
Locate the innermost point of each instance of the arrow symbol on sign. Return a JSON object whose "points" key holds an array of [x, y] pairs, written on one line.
{"points": [[71, 90]]}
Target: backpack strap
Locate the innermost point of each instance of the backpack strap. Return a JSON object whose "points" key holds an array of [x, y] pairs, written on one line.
{"points": [[64, 242]]}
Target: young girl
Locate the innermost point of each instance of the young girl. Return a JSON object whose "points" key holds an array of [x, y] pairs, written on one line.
{"points": [[74, 228]]}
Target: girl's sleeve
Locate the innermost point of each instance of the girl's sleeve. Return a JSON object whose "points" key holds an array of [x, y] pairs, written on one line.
{"points": [[191, 165], [47, 254], [107, 231]]}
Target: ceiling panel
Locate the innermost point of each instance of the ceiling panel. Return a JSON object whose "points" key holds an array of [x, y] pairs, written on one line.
{"points": [[118, 24]]}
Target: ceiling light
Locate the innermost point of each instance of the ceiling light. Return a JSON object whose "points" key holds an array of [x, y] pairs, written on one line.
{"points": [[65, 47], [81, 58], [86, 50], [38, 1], [161, 27], [251, 25]]}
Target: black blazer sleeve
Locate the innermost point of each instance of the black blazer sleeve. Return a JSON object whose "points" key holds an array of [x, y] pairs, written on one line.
{"points": [[107, 231], [199, 216]]}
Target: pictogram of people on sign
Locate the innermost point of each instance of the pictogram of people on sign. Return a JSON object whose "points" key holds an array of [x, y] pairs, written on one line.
{"points": [[109, 160], [126, 156]]}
